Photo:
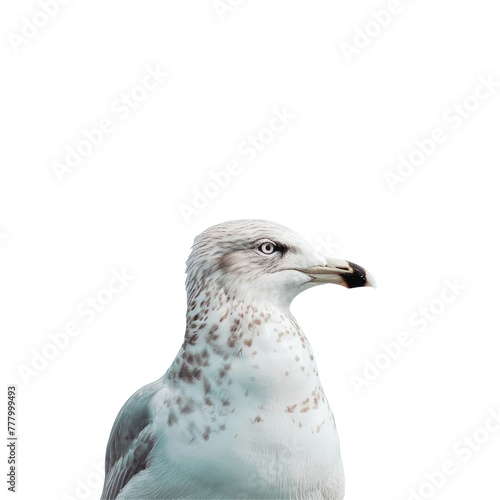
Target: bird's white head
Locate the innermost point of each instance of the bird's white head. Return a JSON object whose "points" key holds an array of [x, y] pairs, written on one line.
{"points": [[258, 260]]}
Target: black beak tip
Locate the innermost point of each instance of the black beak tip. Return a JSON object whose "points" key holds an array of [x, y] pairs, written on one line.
{"points": [[357, 278]]}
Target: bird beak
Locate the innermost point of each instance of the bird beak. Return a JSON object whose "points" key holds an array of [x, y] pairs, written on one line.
{"points": [[341, 272]]}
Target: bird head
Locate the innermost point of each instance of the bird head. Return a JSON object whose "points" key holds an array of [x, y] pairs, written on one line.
{"points": [[258, 260]]}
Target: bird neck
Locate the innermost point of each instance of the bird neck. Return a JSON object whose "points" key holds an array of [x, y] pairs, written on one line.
{"points": [[257, 346]]}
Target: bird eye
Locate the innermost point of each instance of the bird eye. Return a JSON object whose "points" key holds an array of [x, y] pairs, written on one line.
{"points": [[267, 248]]}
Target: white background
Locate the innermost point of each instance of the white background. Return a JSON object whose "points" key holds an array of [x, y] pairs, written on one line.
{"points": [[323, 175]]}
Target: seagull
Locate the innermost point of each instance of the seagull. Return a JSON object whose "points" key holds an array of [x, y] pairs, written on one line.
{"points": [[241, 412]]}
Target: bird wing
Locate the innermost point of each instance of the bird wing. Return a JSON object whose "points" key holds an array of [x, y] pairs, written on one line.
{"points": [[130, 442]]}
